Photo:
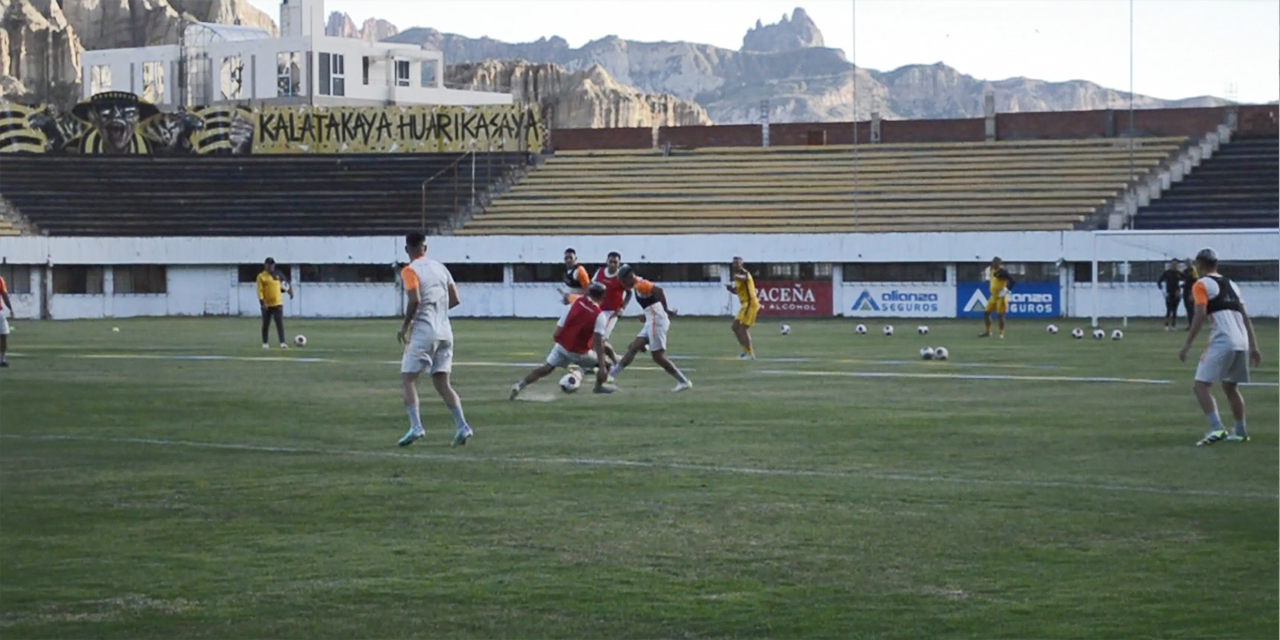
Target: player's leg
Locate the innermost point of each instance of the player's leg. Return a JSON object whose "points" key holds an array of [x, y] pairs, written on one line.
{"points": [[658, 349], [1237, 374], [1189, 303], [1001, 311], [412, 364], [1170, 312], [630, 356], [986, 318], [278, 314], [266, 326], [559, 357], [1210, 370], [441, 367], [742, 326], [610, 355], [4, 340]]}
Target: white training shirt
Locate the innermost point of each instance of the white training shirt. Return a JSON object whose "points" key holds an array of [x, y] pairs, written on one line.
{"points": [[1226, 328], [432, 321]]}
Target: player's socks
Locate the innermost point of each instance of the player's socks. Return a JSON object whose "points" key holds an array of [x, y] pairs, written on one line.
{"points": [[459, 420], [1215, 422], [415, 420], [516, 389]]}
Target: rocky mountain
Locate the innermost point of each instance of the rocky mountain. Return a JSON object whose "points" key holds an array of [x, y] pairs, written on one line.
{"points": [[41, 40], [588, 98], [798, 32], [340, 25]]}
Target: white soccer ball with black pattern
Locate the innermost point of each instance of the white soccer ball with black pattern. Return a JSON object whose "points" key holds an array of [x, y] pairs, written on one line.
{"points": [[1077, 333], [927, 353], [785, 330], [571, 381], [860, 329], [941, 353], [1052, 329], [922, 330], [300, 340], [1099, 334], [888, 329], [1117, 335]]}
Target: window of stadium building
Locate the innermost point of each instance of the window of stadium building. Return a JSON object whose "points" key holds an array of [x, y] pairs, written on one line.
{"points": [[402, 73], [332, 74], [347, 273], [153, 81], [77, 280], [476, 273], [232, 78], [790, 270], [248, 273], [552, 272], [99, 78], [1147, 272], [17, 277], [141, 279], [679, 272], [288, 74], [1024, 271], [894, 272]]}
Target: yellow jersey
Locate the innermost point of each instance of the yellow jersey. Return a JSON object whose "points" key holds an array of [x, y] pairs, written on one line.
{"points": [[270, 290], [745, 286], [1001, 281]]}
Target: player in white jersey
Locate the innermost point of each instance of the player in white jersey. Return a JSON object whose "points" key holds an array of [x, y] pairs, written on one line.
{"points": [[428, 337], [1232, 347], [657, 321]]}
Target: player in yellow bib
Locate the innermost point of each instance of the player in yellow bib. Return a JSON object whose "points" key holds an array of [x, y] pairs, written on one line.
{"points": [[998, 301], [745, 287]]}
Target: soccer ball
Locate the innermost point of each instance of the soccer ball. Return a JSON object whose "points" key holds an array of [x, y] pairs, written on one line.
{"points": [[888, 329], [1117, 334], [926, 353], [786, 330], [941, 353], [571, 381], [860, 329], [1052, 329], [922, 330], [300, 340], [1077, 333], [1099, 334]]}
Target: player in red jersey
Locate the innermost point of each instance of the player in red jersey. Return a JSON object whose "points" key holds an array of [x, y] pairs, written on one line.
{"points": [[616, 298], [579, 338]]}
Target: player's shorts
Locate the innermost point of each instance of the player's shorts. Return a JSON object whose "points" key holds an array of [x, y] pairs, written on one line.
{"points": [[562, 357], [747, 315], [4, 323], [613, 322], [655, 331], [998, 304], [1223, 365], [434, 356]]}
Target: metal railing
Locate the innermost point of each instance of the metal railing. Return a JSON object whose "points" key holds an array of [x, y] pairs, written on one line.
{"points": [[467, 183]]}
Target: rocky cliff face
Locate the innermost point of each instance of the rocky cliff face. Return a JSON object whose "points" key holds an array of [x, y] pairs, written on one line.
{"points": [[340, 25], [798, 32], [588, 98], [41, 40]]}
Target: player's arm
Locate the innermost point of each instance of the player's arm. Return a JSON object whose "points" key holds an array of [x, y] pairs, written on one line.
{"points": [[662, 300], [1255, 356], [584, 280], [8, 304], [415, 300], [453, 296], [262, 291]]}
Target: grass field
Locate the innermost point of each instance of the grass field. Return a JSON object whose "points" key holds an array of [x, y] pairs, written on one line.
{"points": [[145, 493]]}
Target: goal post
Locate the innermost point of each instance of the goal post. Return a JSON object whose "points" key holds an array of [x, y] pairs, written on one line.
{"points": [[1127, 248]]}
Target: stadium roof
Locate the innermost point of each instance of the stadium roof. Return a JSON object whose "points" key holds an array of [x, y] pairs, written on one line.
{"points": [[202, 33]]}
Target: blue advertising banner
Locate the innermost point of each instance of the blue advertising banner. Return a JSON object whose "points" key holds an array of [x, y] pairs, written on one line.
{"points": [[1027, 300]]}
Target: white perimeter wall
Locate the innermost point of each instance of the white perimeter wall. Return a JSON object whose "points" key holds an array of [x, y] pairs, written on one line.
{"points": [[202, 272]]}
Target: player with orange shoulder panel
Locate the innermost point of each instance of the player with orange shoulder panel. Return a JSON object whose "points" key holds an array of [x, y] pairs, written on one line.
{"points": [[657, 321]]}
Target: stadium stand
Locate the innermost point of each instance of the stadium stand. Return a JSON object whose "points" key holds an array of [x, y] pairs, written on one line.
{"points": [[1236, 188], [1016, 185], [299, 195]]}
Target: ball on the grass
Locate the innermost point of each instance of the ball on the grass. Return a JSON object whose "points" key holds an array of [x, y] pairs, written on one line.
{"points": [[1117, 335], [888, 329], [785, 330], [115, 329], [1077, 333], [941, 353], [571, 381], [1099, 334], [1052, 329], [927, 353], [300, 340], [922, 330], [860, 329]]}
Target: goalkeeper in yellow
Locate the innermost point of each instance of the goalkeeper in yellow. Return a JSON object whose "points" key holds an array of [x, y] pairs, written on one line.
{"points": [[744, 286], [998, 302]]}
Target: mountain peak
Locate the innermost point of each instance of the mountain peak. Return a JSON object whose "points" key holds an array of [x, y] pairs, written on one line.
{"points": [[788, 34]]}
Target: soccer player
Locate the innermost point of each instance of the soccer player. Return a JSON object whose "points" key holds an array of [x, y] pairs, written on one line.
{"points": [[1232, 347], [1189, 277], [5, 305], [579, 341], [998, 302], [745, 287], [657, 320], [575, 277], [1171, 282], [615, 298], [429, 337], [271, 290]]}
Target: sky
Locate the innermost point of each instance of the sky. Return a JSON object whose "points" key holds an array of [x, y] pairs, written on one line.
{"points": [[1181, 48]]}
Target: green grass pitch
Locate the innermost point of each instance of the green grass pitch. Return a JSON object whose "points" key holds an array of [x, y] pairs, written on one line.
{"points": [[146, 493]]}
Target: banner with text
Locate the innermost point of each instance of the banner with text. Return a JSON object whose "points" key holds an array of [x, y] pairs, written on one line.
{"points": [[1027, 300], [423, 129], [786, 298], [898, 301]]}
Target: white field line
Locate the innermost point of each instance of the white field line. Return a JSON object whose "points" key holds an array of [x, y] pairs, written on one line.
{"points": [[674, 466], [974, 376]]}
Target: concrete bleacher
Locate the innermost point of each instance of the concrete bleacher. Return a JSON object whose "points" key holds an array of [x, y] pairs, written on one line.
{"points": [[1234, 189], [298, 195], [1023, 185]]}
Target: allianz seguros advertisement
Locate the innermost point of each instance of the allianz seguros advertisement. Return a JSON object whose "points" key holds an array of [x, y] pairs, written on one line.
{"points": [[890, 301], [1027, 300]]}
